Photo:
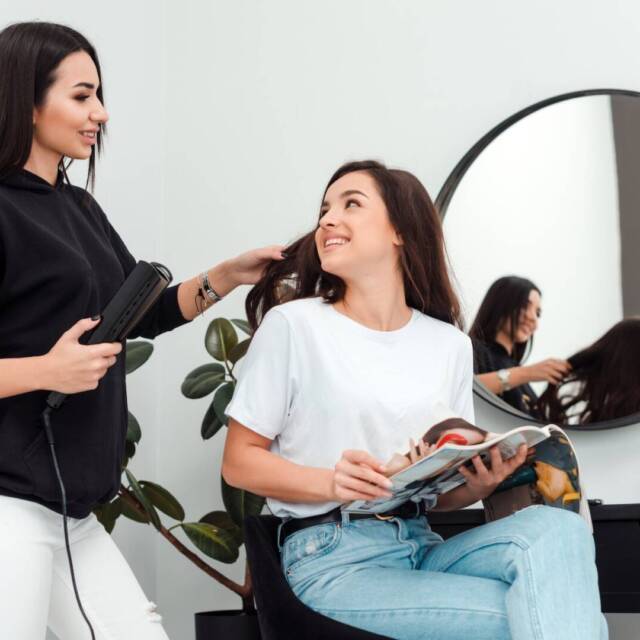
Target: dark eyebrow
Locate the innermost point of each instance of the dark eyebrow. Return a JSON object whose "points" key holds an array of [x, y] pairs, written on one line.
{"points": [[87, 85], [350, 192]]}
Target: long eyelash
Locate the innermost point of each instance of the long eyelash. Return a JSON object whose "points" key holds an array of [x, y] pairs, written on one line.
{"points": [[82, 98]]}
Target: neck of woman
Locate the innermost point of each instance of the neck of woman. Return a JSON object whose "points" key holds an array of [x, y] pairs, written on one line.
{"points": [[377, 303], [43, 164]]}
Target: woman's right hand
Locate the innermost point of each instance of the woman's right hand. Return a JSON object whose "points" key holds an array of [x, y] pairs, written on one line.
{"points": [[72, 367], [358, 476], [551, 370]]}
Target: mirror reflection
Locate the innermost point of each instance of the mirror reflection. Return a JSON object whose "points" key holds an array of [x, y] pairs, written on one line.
{"points": [[551, 292]]}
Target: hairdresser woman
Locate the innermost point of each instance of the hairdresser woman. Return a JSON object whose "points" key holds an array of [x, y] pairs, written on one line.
{"points": [[60, 263]]}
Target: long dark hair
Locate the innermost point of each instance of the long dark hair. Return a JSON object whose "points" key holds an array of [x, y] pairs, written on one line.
{"points": [[30, 53], [604, 379], [504, 301], [422, 254]]}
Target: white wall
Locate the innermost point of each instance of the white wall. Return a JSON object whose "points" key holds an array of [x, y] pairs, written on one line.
{"points": [[228, 118]]}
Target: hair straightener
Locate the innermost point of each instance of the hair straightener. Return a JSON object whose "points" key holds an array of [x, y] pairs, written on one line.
{"points": [[131, 302]]}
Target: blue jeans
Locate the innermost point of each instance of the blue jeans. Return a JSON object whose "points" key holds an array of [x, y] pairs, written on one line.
{"points": [[530, 576]]}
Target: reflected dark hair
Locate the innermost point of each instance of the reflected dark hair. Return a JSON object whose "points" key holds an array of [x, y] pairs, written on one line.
{"points": [[506, 298], [422, 254], [605, 378], [30, 53]]}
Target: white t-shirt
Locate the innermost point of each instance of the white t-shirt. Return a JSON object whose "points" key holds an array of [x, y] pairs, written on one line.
{"points": [[316, 383]]}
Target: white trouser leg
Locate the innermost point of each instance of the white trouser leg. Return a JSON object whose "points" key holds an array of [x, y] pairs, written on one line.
{"points": [[110, 593], [26, 566]]}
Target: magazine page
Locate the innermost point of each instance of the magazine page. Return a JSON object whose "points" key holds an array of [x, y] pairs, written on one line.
{"points": [[437, 473]]}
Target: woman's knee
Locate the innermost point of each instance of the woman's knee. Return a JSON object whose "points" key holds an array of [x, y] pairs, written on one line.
{"points": [[541, 522]]}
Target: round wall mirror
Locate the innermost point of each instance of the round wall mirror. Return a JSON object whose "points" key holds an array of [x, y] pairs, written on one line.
{"points": [[542, 223]]}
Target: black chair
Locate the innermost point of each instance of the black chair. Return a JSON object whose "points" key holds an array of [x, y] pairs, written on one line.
{"points": [[281, 615]]}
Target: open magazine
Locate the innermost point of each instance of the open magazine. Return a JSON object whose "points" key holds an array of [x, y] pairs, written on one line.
{"points": [[552, 470]]}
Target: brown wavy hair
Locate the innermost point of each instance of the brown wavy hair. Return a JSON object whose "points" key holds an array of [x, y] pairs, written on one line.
{"points": [[607, 379], [422, 255]]}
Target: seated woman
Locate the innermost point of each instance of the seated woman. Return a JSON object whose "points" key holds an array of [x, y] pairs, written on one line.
{"points": [[604, 381], [502, 335], [340, 377]]}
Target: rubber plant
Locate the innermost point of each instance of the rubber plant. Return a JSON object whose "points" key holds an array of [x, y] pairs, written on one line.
{"points": [[217, 534]]}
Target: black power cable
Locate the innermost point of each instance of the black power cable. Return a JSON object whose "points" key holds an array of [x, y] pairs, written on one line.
{"points": [[46, 419]]}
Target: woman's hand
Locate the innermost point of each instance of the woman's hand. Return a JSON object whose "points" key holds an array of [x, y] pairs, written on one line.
{"points": [[247, 268], [550, 370], [358, 476], [482, 482], [71, 367]]}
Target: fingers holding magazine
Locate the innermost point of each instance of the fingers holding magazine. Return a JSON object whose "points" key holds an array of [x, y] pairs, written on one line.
{"points": [[359, 476], [483, 480]]}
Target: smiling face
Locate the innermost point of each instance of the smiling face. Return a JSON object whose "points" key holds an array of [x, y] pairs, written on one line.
{"points": [[355, 237], [67, 123], [528, 319]]}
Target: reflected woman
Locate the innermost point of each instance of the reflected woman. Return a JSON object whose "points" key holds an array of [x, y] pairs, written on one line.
{"points": [[604, 381], [502, 335]]}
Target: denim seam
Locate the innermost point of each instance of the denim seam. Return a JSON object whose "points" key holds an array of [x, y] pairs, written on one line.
{"points": [[531, 605]]}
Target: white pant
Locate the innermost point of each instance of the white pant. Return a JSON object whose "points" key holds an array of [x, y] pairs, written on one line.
{"points": [[35, 583]]}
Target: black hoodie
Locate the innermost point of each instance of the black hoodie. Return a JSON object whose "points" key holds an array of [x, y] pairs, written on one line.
{"points": [[60, 261]]}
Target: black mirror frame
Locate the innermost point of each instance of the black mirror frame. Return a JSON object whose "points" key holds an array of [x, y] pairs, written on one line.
{"points": [[442, 203]]}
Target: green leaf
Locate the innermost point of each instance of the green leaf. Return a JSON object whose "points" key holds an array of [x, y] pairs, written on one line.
{"points": [[107, 514], [203, 380], [129, 449], [210, 423], [212, 541], [144, 501], [134, 433], [222, 399], [239, 350], [137, 354], [220, 338], [222, 520], [162, 499], [243, 325], [239, 503], [129, 512]]}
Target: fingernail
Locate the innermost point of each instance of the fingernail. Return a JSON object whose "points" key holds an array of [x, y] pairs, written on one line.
{"points": [[284, 254], [95, 317]]}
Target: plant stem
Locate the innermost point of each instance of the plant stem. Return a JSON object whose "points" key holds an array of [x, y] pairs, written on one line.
{"points": [[248, 605], [243, 590]]}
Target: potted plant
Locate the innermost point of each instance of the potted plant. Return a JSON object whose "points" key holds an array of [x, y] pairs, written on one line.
{"points": [[217, 534]]}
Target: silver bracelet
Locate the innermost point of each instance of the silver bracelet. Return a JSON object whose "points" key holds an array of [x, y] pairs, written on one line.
{"points": [[208, 289]]}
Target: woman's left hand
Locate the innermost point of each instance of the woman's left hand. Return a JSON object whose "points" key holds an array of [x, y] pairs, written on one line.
{"points": [[482, 482], [247, 268]]}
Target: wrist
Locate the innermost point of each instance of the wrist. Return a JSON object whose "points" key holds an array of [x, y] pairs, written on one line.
{"points": [[327, 485], [504, 376], [42, 378], [223, 279]]}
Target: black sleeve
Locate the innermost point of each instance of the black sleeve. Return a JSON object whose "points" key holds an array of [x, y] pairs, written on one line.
{"points": [[165, 315]]}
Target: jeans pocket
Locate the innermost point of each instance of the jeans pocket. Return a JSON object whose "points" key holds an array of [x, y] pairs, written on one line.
{"points": [[304, 546]]}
